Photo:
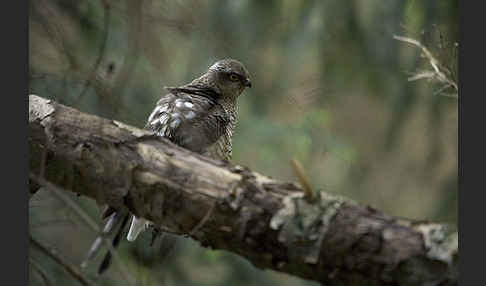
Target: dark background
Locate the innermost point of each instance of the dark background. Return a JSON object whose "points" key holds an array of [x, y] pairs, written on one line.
{"points": [[329, 88]]}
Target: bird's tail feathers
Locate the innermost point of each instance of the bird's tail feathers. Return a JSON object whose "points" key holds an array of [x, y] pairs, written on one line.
{"points": [[137, 226], [115, 218], [107, 259]]}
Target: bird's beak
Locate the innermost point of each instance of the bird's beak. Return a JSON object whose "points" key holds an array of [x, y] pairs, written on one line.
{"points": [[247, 82]]}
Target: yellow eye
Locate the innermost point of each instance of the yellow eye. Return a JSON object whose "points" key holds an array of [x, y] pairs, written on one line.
{"points": [[233, 77]]}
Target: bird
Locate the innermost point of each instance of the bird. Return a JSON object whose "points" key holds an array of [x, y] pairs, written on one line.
{"points": [[200, 116]]}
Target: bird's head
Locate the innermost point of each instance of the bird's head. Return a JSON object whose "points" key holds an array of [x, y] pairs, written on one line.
{"points": [[230, 77]]}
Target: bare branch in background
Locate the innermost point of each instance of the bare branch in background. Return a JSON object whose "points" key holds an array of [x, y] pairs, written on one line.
{"points": [[92, 75], [439, 72], [51, 23], [87, 219], [61, 261], [42, 272]]}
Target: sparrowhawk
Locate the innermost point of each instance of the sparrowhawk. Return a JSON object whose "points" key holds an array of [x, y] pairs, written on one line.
{"points": [[200, 116]]}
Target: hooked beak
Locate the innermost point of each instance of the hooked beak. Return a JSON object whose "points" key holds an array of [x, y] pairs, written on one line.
{"points": [[247, 82]]}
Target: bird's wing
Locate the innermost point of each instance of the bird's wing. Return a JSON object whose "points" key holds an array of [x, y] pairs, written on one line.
{"points": [[191, 121]]}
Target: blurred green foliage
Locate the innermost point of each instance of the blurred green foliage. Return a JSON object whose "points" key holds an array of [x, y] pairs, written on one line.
{"points": [[329, 88]]}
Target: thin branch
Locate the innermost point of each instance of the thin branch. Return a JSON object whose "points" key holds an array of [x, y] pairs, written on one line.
{"points": [[70, 203], [92, 75], [59, 260], [438, 70], [87, 219], [303, 179], [42, 272]]}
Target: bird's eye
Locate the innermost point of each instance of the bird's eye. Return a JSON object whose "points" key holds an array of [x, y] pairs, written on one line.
{"points": [[233, 77]]}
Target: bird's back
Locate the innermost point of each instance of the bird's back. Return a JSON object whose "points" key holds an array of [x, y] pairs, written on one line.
{"points": [[195, 121]]}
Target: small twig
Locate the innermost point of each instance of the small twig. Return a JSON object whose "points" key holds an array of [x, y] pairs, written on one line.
{"points": [[87, 219], [49, 21], [440, 90], [433, 62], [422, 75], [68, 267], [439, 71], [303, 179]]}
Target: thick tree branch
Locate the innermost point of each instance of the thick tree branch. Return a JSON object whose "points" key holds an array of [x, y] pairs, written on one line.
{"points": [[223, 206]]}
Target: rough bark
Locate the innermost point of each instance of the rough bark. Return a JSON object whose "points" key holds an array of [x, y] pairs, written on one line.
{"points": [[272, 224]]}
